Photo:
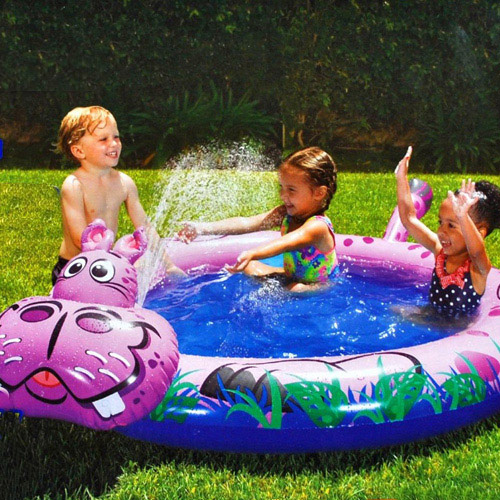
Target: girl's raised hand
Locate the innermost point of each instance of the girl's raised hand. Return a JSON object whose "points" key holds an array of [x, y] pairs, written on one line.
{"points": [[465, 199], [402, 168], [468, 188]]}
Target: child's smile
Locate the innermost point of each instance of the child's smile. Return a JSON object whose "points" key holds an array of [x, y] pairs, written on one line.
{"points": [[299, 197], [102, 147], [449, 232]]}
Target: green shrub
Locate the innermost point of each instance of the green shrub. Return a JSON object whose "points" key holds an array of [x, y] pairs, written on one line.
{"points": [[180, 123], [461, 142], [342, 73]]}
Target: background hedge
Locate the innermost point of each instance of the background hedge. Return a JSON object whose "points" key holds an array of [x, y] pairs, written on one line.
{"points": [[340, 74]]}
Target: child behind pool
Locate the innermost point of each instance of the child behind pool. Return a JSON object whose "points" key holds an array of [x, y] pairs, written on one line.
{"points": [[95, 190], [308, 181], [466, 217]]}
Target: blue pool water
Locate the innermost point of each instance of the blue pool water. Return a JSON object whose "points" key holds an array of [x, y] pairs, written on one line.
{"points": [[233, 315]]}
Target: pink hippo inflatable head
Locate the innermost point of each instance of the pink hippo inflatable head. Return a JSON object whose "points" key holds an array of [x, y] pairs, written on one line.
{"points": [[100, 274], [86, 354]]}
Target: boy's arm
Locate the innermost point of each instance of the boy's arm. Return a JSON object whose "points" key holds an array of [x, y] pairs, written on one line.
{"points": [[407, 213], [233, 225], [309, 234], [73, 210], [139, 218], [133, 205]]}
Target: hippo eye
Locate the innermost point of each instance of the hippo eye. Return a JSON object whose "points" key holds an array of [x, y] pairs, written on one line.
{"points": [[102, 271], [75, 267], [36, 314]]}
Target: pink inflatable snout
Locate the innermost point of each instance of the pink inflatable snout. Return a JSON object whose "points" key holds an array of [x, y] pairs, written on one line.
{"points": [[88, 353]]}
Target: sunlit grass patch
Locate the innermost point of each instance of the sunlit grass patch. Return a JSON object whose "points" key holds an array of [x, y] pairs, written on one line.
{"points": [[50, 460]]}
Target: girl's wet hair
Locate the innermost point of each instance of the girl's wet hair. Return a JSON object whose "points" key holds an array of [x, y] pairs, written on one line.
{"points": [[487, 208], [76, 123], [319, 167]]}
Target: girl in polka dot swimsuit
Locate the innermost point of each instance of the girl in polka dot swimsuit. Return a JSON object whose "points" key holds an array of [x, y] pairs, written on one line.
{"points": [[466, 217]]}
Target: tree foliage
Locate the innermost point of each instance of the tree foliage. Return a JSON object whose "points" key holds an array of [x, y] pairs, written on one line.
{"points": [[330, 71]]}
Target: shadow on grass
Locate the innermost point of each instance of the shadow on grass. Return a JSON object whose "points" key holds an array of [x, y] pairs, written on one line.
{"points": [[59, 460]]}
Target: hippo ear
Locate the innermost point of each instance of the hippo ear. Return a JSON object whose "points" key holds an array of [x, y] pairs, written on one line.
{"points": [[96, 236], [132, 246]]}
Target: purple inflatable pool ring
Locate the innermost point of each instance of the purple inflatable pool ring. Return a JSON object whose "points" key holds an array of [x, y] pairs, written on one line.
{"points": [[88, 354], [331, 403]]}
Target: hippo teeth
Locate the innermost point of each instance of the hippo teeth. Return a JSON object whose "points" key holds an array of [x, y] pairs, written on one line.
{"points": [[110, 405]]}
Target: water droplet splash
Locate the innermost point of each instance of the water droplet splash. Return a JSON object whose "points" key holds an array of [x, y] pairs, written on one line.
{"points": [[208, 182]]}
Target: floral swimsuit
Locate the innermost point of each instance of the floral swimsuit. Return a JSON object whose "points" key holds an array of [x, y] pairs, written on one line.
{"points": [[309, 265]]}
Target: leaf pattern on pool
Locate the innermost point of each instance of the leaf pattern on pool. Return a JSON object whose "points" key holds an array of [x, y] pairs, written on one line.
{"points": [[395, 394], [323, 402], [257, 410], [392, 398], [465, 389], [178, 400]]}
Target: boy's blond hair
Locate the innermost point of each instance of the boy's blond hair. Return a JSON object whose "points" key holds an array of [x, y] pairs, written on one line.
{"points": [[76, 123]]}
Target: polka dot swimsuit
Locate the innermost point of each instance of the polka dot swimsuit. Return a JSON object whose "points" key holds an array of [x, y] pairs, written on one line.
{"points": [[453, 299]]}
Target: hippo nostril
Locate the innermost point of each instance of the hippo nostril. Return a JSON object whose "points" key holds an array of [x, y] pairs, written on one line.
{"points": [[36, 314], [94, 323]]}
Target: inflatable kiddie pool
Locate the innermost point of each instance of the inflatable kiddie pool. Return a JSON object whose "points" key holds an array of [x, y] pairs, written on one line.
{"points": [[88, 354], [332, 403]]}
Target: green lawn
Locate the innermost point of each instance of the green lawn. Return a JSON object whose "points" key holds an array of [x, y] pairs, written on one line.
{"points": [[49, 459]]}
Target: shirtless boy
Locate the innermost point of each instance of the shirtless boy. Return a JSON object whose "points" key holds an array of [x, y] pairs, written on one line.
{"points": [[95, 190]]}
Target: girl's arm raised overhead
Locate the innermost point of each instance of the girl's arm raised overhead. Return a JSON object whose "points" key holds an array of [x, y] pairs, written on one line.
{"points": [[233, 225], [473, 235], [407, 213]]}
